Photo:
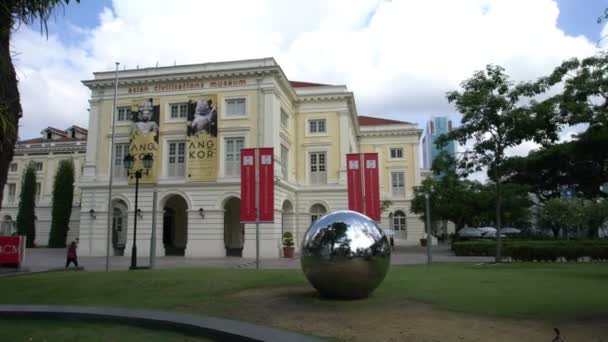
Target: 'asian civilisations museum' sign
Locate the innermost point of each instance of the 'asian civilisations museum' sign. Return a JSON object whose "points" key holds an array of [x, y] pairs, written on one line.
{"points": [[190, 85]]}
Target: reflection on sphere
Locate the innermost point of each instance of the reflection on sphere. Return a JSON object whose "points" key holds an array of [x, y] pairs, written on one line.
{"points": [[345, 255]]}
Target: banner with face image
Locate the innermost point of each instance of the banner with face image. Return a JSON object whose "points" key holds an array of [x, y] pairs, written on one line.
{"points": [[202, 145], [143, 139]]}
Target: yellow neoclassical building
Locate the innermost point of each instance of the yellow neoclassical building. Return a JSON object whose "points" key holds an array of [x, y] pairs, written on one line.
{"points": [[237, 104]]}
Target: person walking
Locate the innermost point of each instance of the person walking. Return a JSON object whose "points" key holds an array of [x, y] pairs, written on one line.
{"points": [[72, 255]]}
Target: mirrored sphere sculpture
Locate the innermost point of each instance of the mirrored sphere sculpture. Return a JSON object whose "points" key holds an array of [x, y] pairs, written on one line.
{"points": [[345, 255]]}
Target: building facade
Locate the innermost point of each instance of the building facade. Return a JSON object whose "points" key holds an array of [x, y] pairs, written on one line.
{"points": [[194, 120], [435, 127], [45, 152]]}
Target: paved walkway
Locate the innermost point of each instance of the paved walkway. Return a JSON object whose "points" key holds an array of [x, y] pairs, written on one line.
{"points": [[42, 259], [197, 325]]}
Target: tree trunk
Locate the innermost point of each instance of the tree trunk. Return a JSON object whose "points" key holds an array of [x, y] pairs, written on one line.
{"points": [[498, 214], [10, 107], [498, 223]]}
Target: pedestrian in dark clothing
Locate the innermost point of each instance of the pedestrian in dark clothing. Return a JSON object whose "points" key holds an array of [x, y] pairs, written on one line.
{"points": [[72, 255]]}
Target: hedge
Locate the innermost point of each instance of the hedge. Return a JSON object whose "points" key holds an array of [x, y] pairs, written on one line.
{"points": [[570, 250]]}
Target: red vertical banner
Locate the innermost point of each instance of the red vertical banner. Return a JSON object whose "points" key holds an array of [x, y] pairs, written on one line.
{"points": [[372, 186], [266, 173], [354, 181], [248, 185]]}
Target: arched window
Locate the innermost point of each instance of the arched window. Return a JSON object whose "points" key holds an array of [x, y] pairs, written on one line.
{"points": [[398, 220], [316, 211]]}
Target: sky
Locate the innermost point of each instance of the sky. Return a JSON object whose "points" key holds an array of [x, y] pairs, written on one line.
{"points": [[399, 57]]}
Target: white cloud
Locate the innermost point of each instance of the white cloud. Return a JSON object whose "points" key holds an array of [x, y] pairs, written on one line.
{"points": [[399, 57]]}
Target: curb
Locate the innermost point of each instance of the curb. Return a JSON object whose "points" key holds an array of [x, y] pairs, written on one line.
{"points": [[215, 328]]}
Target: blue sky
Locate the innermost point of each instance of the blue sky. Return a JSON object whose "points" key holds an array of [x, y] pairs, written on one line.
{"points": [[398, 57], [577, 17]]}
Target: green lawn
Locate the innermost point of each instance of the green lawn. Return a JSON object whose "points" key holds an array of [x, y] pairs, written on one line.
{"points": [[541, 291], [49, 331]]}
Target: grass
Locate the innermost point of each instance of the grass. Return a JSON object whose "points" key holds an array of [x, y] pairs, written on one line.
{"points": [[50, 331], [535, 290]]}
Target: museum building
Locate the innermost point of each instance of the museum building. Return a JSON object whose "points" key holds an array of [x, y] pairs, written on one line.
{"points": [[193, 120]]}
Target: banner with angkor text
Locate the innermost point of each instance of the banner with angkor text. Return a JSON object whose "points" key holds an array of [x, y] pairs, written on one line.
{"points": [[202, 144], [143, 139]]}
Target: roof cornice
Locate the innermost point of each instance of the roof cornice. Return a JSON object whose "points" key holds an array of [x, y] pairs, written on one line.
{"points": [[392, 132]]}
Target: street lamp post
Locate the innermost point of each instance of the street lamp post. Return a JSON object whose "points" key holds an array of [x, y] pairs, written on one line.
{"points": [[427, 205], [128, 163]]}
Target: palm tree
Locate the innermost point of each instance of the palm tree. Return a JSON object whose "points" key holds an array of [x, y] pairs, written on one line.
{"points": [[12, 14]]}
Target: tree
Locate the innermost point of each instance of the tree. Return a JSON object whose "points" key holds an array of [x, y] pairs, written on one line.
{"points": [[12, 14], [542, 171], [452, 198], [595, 215], [26, 216], [63, 196], [581, 163], [494, 120], [585, 95]]}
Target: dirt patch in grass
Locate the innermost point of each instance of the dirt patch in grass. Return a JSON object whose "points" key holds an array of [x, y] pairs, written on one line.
{"points": [[301, 309]]}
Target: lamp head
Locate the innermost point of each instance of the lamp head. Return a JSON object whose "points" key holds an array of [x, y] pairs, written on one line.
{"points": [[128, 161], [148, 160]]}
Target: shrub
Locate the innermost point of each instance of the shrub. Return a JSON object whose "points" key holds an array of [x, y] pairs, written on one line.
{"points": [[26, 216], [288, 239], [63, 196], [571, 250]]}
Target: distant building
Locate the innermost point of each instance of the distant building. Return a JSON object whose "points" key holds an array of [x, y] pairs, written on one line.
{"points": [[435, 127], [45, 152]]}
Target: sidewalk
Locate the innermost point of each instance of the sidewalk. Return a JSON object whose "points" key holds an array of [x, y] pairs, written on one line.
{"points": [[42, 259]]}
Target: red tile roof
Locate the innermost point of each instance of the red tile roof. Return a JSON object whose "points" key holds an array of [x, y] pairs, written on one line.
{"points": [[78, 128], [298, 84], [44, 140], [372, 121], [56, 131]]}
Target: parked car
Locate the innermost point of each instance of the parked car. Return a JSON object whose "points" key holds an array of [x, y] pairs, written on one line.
{"points": [[470, 233]]}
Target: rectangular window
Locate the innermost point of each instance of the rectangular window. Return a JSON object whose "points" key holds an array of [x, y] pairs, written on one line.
{"points": [[232, 156], [316, 126], [318, 168], [236, 107], [284, 118], [177, 159], [38, 166], [179, 110], [12, 190], [396, 153], [38, 191], [13, 167], [120, 151], [398, 183], [284, 162], [123, 114]]}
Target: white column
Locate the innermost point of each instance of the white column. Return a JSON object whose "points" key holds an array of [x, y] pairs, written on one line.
{"points": [[344, 133], [271, 136], [269, 118], [92, 145], [416, 164]]}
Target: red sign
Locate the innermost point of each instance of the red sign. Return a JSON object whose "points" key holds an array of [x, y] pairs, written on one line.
{"points": [[266, 177], [372, 186], [261, 159], [12, 249], [354, 179], [248, 185]]}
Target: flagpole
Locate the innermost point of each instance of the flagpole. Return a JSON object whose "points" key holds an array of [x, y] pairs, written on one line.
{"points": [[111, 171]]}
